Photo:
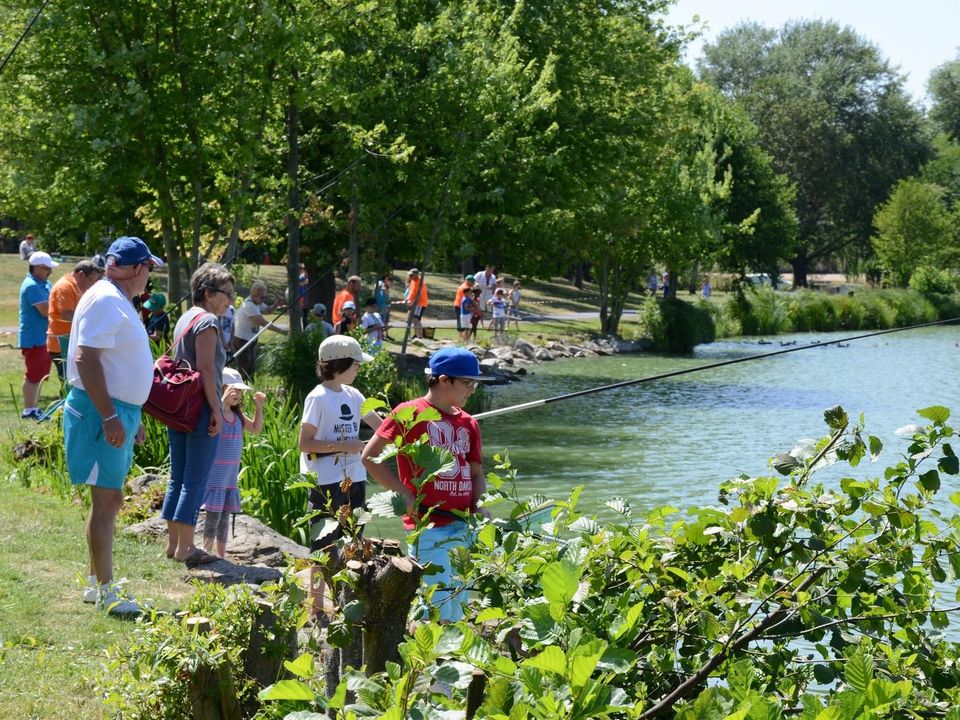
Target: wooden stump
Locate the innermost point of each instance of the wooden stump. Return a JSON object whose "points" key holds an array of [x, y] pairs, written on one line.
{"points": [[211, 690], [264, 657], [386, 584]]}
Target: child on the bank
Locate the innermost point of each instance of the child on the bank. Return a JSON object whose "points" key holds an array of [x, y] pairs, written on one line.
{"points": [[453, 374], [477, 311], [222, 497], [373, 325], [467, 304], [499, 305], [330, 443]]}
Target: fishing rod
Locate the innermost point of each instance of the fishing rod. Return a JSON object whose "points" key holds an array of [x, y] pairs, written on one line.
{"points": [[700, 368]]}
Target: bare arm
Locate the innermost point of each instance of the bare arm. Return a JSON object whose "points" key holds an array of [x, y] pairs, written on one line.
{"points": [[66, 315], [95, 385], [206, 344], [479, 487], [384, 474], [372, 420], [42, 307], [256, 425], [261, 321]]}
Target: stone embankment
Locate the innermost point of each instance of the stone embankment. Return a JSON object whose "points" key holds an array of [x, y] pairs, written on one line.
{"points": [[512, 358]]}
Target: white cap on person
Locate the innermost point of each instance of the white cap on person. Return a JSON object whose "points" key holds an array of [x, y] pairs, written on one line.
{"points": [[234, 379], [339, 347]]}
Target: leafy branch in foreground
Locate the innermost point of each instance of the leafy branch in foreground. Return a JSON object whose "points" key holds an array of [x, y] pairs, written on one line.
{"points": [[735, 610]]}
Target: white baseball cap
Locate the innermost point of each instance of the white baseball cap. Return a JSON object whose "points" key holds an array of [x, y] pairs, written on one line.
{"points": [[42, 258], [338, 347], [234, 379]]}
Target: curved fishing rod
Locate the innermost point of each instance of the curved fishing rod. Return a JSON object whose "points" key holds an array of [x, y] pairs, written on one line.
{"points": [[700, 368]]}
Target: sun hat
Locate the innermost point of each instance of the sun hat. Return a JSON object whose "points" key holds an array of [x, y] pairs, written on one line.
{"points": [[456, 362], [157, 301], [41, 258], [413, 271], [349, 305], [340, 347], [129, 250], [233, 378], [319, 309]]}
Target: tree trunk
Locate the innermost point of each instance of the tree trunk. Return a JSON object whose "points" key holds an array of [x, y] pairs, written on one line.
{"points": [[578, 276], [604, 289], [801, 266], [354, 248], [293, 209]]}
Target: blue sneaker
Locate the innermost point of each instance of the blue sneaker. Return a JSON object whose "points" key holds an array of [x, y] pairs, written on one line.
{"points": [[33, 414]]}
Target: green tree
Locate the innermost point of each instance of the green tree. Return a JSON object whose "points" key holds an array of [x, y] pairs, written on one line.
{"points": [[834, 116], [944, 88], [914, 227]]}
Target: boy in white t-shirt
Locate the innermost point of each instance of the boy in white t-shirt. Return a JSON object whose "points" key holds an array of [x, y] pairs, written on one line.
{"points": [[372, 324], [330, 442], [499, 306]]}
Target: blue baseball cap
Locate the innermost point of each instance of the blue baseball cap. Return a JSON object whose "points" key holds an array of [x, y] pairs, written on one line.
{"points": [[130, 250], [456, 362]]}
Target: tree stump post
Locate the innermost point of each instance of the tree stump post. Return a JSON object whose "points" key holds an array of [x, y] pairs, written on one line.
{"points": [[211, 690], [266, 652]]}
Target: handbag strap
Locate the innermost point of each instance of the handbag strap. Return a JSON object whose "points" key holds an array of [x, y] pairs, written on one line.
{"points": [[186, 330]]}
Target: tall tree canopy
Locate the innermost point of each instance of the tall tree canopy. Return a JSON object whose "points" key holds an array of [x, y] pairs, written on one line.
{"points": [[944, 88], [836, 119]]}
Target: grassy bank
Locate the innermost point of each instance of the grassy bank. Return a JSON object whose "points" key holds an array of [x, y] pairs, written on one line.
{"points": [[51, 644]]}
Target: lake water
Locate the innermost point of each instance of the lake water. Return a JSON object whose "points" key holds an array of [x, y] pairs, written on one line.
{"points": [[673, 441]]}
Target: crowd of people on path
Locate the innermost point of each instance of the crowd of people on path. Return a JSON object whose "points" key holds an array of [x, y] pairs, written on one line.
{"points": [[103, 341], [484, 294]]}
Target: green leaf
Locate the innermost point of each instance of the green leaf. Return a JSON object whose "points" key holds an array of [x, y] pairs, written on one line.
{"points": [[584, 659], [881, 692], [387, 504], [618, 660], [491, 613], [930, 480], [371, 404], [858, 671], [784, 463], [876, 446], [302, 667], [836, 418], [823, 674], [955, 498], [287, 690], [935, 413], [949, 464], [551, 660], [560, 581]]}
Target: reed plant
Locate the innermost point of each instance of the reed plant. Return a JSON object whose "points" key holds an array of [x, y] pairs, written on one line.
{"points": [[271, 486], [46, 464]]}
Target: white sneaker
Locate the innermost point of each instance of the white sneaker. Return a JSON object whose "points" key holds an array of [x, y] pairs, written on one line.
{"points": [[90, 593], [112, 599]]}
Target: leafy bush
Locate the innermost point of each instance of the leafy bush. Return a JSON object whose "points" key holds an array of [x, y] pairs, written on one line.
{"points": [[810, 311], [699, 615], [148, 676], [930, 281], [675, 325]]}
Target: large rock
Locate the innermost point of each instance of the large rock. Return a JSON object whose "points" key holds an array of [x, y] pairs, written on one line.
{"points": [[544, 355], [490, 364], [251, 544], [526, 349]]}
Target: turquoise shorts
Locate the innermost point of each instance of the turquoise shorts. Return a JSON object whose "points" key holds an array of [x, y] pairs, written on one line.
{"points": [[90, 460]]}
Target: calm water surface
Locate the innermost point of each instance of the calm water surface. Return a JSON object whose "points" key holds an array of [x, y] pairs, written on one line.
{"points": [[673, 441]]}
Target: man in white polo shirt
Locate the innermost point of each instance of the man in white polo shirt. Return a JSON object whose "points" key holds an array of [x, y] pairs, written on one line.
{"points": [[110, 369]]}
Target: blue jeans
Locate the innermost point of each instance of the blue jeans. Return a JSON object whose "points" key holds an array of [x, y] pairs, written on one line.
{"points": [[434, 548], [191, 458]]}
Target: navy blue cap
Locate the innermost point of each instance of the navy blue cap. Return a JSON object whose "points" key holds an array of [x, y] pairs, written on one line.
{"points": [[132, 251], [456, 362]]}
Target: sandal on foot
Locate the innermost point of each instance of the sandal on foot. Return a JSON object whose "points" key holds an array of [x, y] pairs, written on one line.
{"points": [[199, 557]]}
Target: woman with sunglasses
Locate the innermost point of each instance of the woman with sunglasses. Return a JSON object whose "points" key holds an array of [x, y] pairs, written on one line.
{"points": [[192, 454]]}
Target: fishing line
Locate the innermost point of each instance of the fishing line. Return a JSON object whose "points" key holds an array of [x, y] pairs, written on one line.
{"points": [[700, 368], [23, 36]]}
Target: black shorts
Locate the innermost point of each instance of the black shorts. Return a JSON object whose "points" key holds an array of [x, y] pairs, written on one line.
{"points": [[327, 500], [456, 314], [418, 311]]}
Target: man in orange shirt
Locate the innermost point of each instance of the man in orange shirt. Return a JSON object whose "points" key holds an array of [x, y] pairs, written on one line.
{"points": [[465, 287], [64, 298], [351, 292], [417, 299]]}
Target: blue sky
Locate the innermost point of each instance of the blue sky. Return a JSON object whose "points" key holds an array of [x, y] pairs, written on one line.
{"points": [[917, 36]]}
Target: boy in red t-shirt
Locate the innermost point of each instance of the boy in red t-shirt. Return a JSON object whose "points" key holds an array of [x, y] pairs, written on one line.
{"points": [[453, 375]]}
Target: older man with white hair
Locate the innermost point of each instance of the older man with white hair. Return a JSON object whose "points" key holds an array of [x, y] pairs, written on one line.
{"points": [[248, 320]]}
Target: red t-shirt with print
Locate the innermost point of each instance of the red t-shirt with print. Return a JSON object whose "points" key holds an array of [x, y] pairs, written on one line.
{"points": [[458, 433]]}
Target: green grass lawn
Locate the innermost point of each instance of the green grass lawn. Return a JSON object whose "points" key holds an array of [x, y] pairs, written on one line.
{"points": [[52, 646]]}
